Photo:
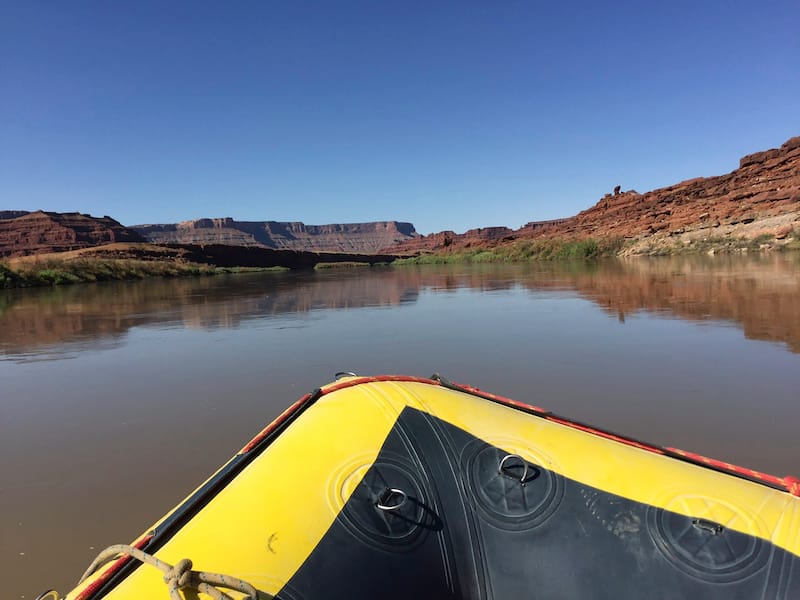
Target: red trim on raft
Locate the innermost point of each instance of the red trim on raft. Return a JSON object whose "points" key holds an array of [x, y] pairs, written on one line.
{"points": [[789, 483], [311, 397], [792, 484], [546, 414], [272, 426], [606, 435], [93, 587], [353, 382], [477, 391]]}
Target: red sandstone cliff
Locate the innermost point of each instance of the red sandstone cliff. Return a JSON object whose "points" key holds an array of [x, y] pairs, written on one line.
{"points": [[766, 184], [362, 238], [761, 196], [23, 233]]}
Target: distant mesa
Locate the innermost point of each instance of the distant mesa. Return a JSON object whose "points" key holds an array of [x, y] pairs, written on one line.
{"points": [[23, 233], [356, 238]]}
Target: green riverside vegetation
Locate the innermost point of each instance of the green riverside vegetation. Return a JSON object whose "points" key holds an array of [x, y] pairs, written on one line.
{"points": [[54, 271], [59, 272], [525, 250], [345, 264]]}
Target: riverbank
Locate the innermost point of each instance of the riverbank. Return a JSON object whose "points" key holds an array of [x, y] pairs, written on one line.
{"points": [[114, 263], [779, 232], [132, 261], [62, 272], [54, 271], [522, 251], [555, 248]]}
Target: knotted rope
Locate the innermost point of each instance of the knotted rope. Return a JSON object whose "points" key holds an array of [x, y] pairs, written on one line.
{"points": [[178, 577]]}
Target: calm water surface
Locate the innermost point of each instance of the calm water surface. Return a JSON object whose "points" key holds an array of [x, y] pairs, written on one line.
{"points": [[117, 399]]}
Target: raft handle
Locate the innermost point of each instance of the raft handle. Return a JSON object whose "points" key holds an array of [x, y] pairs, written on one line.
{"points": [[502, 469], [387, 495], [48, 595], [342, 374], [707, 526]]}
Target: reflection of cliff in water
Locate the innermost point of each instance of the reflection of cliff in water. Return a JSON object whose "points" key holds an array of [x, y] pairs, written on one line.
{"points": [[35, 320], [759, 294], [32, 320]]}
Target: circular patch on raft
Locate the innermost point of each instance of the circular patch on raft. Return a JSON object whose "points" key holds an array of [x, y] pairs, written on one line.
{"points": [[518, 498], [405, 517], [709, 539]]}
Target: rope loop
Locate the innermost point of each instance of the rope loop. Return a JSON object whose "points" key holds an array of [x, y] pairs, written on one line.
{"points": [[178, 577]]}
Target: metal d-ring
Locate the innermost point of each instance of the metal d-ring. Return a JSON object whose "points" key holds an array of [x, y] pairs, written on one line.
{"points": [[502, 468], [341, 374], [707, 526], [387, 495]]}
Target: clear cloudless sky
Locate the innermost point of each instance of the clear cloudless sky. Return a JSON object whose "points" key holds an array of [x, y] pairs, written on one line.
{"points": [[450, 115]]}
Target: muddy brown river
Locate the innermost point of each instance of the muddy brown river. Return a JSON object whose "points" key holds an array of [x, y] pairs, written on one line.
{"points": [[118, 399]]}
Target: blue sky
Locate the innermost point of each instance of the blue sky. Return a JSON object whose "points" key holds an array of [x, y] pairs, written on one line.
{"points": [[450, 115]]}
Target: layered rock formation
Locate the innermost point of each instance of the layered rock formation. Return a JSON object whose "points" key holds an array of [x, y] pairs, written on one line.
{"points": [[482, 236], [766, 185], [360, 238], [23, 233], [762, 196]]}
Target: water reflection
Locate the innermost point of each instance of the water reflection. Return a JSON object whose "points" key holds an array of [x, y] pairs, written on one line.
{"points": [[761, 295]]}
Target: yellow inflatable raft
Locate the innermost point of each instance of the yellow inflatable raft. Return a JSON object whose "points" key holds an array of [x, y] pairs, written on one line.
{"points": [[399, 487]]}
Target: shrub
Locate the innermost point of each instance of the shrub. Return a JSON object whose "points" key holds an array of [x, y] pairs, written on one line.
{"points": [[763, 238], [345, 264], [6, 276], [56, 276], [484, 256]]}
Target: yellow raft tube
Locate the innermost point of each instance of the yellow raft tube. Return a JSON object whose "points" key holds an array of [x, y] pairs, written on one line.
{"points": [[401, 487]]}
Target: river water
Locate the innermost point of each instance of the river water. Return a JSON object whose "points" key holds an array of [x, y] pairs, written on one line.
{"points": [[117, 399]]}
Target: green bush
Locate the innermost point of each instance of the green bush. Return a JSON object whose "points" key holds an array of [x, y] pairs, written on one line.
{"points": [[579, 249], [486, 256], [763, 239], [345, 264], [238, 270], [526, 250], [63, 272], [6, 276], [56, 276]]}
